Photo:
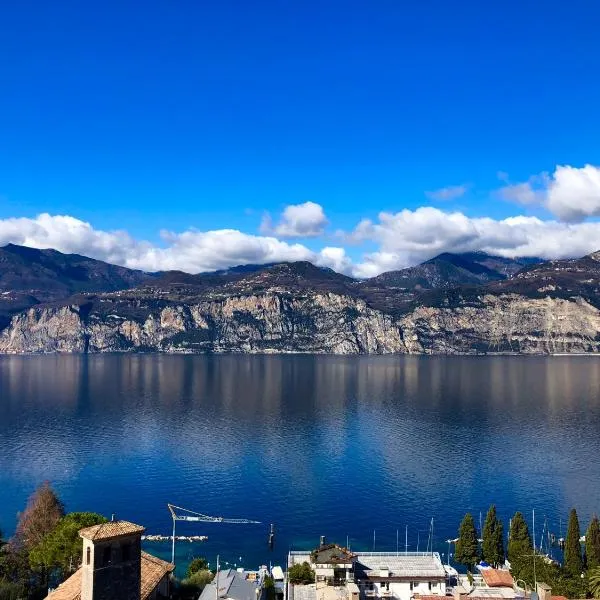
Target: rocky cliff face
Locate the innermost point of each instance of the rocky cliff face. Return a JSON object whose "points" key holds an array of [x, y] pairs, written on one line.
{"points": [[316, 323], [321, 323], [551, 307]]}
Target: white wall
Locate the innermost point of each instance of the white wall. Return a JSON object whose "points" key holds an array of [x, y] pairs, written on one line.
{"points": [[404, 590]]}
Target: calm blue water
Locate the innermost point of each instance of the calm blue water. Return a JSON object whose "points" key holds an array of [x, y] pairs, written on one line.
{"points": [[328, 446]]}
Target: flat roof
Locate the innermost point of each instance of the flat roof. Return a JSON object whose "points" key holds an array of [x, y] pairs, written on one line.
{"points": [[406, 565], [302, 592]]}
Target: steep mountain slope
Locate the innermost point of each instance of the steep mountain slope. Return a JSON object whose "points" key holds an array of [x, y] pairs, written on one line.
{"points": [[298, 307], [450, 270], [29, 276], [396, 290]]}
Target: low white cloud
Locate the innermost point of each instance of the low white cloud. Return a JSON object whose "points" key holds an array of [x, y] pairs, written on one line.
{"points": [[191, 251], [297, 220], [452, 192], [572, 194], [409, 237], [397, 240], [336, 259]]}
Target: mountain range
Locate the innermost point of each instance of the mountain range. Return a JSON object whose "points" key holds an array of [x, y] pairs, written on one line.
{"points": [[454, 303]]}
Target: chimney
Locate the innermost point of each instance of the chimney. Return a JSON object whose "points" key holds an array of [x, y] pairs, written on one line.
{"points": [[322, 542], [459, 593], [544, 591]]}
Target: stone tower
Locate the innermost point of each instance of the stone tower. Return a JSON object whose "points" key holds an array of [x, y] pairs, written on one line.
{"points": [[111, 564]]}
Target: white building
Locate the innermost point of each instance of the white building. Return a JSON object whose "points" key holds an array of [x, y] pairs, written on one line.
{"points": [[371, 575]]}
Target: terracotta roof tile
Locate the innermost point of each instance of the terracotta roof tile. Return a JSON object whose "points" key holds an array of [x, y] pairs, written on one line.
{"points": [[497, 578], [110, 529], [153, 570], [69, 589]]}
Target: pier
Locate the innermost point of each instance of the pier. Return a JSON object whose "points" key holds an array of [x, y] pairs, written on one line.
{"points": [[179, 538]]}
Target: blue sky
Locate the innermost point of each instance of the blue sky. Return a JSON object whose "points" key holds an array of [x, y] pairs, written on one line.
{"points": [[204, 116]]}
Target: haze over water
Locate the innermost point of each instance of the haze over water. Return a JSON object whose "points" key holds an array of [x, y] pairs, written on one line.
{"points": [[334, 446]]}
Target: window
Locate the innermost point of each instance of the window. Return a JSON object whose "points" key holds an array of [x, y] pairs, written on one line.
{"points": [[88, 555], [106, 556], [126, 552], [429, 585]]}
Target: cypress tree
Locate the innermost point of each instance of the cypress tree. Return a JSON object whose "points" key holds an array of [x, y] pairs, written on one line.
{"points": [[519, 543], [492, 548], [467, 547], [592, 544], [573, 560]]}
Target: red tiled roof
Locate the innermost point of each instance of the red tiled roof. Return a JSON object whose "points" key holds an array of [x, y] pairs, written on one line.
{"points": [[497, 578], [111, 529], [69, 589], [153, 570], [558, 598]]}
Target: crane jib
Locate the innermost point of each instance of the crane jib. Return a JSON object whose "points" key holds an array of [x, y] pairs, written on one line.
{"points": [[198, 517]]}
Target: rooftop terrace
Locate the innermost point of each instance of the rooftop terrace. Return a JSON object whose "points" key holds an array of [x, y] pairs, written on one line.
{"points": [[409, 565]]}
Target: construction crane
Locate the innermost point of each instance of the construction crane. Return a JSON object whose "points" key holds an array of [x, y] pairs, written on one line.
{"points": [[191, 515]]}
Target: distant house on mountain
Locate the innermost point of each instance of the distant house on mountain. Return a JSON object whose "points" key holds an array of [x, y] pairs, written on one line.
{"points": [[115, 568]]}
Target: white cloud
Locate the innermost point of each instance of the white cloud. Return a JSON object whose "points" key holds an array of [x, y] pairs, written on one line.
{"points": [[572, 194], [336, 259], [398, 240], [192, 251], [409, 237], [452, 192], [297, 220]]}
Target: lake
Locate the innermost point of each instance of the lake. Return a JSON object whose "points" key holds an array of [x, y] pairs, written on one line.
{"points": [[355, 448]]}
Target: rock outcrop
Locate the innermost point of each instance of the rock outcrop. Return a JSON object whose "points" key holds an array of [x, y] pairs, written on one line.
{"points": [[551, 307], [315, 323]]}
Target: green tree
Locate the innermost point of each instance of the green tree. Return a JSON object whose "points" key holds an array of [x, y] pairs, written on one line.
{"points": [[197, 564], [191, 587], [519, 542], [592, 544], [269, 587], [467, 547], [492, 547], [594, 582], [41, 515], [301, 574], [520, 549], [573, 561], [61, 548]]}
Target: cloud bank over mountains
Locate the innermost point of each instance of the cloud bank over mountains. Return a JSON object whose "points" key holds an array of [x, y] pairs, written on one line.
{"points": [[394, 240]]}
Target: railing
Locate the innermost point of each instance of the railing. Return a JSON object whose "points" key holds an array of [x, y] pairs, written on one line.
{"points": [[375, 554]]}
